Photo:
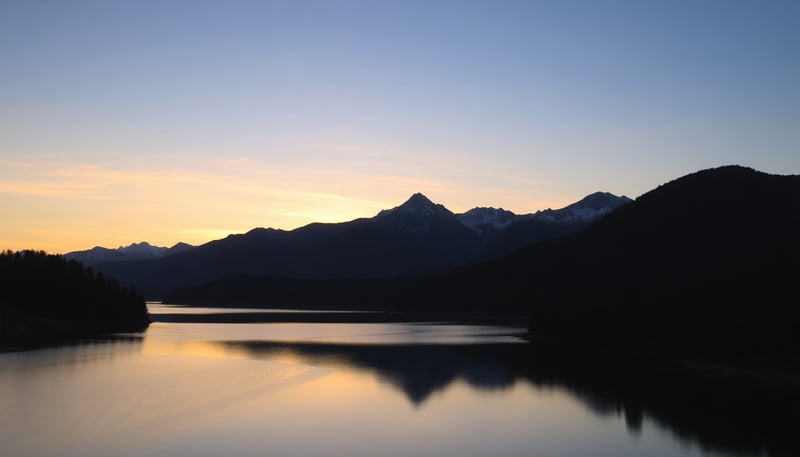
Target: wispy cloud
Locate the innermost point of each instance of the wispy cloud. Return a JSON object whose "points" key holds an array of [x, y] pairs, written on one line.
{"points": [[217, 196], [193, 205]]}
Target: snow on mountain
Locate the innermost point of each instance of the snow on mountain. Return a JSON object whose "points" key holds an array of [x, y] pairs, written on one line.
{"points": [[135, 251], [418, 215], [493, 220], [484, 219], [588, 209]]}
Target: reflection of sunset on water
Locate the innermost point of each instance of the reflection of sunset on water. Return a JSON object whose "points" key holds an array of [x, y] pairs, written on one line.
{"points": [[376, 389]]}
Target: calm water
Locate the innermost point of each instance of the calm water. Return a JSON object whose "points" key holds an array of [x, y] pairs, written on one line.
{"points": [[189, 389]]}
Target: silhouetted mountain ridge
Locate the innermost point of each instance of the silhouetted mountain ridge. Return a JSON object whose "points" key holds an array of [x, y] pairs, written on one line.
{"points": [[135, 251], [420, 215], [416, 237]]}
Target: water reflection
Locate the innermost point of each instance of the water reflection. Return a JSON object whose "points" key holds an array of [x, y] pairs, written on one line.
{"points": [[417, 370], [733, 417], [79, 352], [367, 389]]}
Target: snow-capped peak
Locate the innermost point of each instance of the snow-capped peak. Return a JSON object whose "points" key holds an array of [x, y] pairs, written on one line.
{"points": [[590, 208], [492, 220], [482, 218], [135, 251]]}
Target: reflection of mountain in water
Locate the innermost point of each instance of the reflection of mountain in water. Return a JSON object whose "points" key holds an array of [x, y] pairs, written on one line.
{"points": [[417, 370], [728, 416]]}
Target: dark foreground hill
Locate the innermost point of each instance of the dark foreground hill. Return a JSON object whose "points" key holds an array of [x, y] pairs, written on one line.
{"points": [[45, 298], [705, 266]]}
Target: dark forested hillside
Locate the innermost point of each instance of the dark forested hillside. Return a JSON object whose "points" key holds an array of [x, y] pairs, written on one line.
{"points": [[704, 266], [46, 298]]}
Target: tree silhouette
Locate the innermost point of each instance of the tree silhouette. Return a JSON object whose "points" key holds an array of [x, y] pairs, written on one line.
{"points": [[46, 298]]}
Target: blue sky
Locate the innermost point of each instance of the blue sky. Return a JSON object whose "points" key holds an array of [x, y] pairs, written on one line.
{"points": [[216, 117]]}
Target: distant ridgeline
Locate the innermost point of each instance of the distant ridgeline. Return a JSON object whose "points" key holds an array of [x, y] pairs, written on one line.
{"points": [[416, 238], [705, 267], [45, 298]]}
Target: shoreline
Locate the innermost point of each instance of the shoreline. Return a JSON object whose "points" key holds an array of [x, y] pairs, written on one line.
{"points": [[29, 332], [349, 317]]}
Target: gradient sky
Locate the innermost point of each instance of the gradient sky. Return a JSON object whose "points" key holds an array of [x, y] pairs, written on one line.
{"points": [[172, 121]]}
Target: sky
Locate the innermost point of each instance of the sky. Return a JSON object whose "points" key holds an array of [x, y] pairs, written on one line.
{"points": [[167, 121]]}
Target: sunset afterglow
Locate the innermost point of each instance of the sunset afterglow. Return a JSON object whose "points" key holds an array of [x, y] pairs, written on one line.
{"points": [[177, 121]]}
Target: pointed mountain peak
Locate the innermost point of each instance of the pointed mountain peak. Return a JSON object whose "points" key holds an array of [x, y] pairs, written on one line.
{"points": [[418, 199], [418, 204], [178, 247], [419, 214], [181, 245]]}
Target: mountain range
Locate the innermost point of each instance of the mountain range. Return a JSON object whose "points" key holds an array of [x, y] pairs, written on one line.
{"points": [[416, 237], [703, 267], [135, 251]]}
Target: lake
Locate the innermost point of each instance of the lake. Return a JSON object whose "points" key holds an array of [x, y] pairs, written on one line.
{"points": [[357, 389]]}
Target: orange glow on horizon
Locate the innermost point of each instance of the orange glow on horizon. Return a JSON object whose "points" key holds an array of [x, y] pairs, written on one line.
{"points": [[62, 207]]}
